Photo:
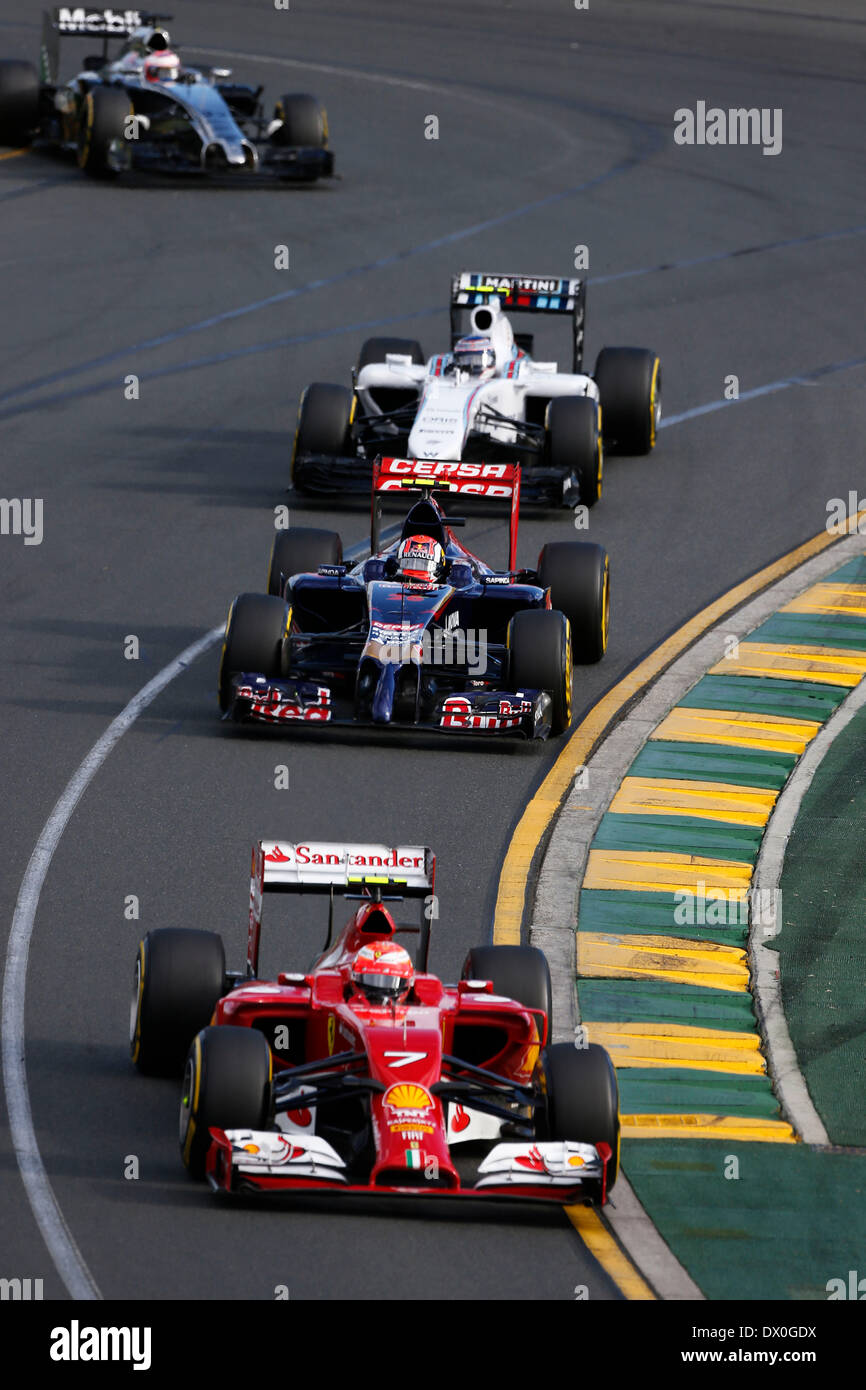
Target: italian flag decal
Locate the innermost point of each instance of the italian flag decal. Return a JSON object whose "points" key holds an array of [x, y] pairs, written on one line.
{"points": [[413, 1158]]}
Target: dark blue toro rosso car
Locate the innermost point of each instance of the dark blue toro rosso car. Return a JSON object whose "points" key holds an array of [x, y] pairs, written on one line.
{"points": [[143, 108], [422, 634]]}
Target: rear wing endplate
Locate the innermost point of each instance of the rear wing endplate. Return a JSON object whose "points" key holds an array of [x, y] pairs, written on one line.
{"points": [[84, 22], [529, 294], [489, 480], [278, 866]]}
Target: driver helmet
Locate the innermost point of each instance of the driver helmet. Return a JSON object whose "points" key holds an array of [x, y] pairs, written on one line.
{"points": [[383, 972], [420, 560], [163, 66], [475, 355]]}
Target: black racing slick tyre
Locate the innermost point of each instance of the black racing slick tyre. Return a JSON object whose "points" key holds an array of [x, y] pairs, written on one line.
{"points": [[582, 1098], [577, 573], [539, 647], [226, 1085], [180, 975], [629, 382], [256, 626], [324, 425], [518, 972], [300, 550], [305, 122], [19, 101], [377, 349], [574, 445], [102, 119]]}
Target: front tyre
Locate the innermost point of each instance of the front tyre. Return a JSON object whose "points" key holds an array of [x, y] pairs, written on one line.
{"points": [[539, 647], [180, 976], [582, 1098], [629, 382], [574, 445], [256, 627], [304, 122], [577, 573], [102, 122], [226, 1085]]}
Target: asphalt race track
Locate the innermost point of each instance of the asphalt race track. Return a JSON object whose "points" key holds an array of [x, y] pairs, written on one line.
{"points": [[555, 129]]}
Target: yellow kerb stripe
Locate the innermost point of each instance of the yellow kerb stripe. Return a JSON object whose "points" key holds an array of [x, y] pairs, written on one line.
{"points": [[827, 665], [679, 1045], [613, 1260], [605, 955], [667, 796], [662, 871], [737, 728], [707, 1127], [830, 598], [511, 896]]}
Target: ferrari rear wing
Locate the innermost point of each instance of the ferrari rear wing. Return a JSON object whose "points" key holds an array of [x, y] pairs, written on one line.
{"points": [[529, 294], [278, 866], [82, 22], [490, 480]]}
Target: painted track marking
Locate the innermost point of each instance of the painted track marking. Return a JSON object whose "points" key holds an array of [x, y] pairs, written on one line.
{"points": [[67, 1257]]}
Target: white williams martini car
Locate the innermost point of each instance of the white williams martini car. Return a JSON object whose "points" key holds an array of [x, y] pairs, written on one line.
{"points": [[487, 399]]}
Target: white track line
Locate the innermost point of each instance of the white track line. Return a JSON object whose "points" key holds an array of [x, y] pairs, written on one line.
{"points": [[66, 1255], [68, 1259]]}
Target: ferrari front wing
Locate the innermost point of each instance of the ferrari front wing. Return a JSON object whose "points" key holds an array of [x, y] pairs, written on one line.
{"points": [[265, 1161]]}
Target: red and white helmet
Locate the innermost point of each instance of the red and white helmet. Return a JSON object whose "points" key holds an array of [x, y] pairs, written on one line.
{"points": [[420, 560], [383, 972], [163, 66]]}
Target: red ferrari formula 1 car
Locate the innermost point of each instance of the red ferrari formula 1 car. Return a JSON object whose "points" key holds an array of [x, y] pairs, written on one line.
{"points": [[367, 1074]]}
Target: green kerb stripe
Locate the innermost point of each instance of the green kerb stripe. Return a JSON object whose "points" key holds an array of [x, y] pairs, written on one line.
{"points": [[686, 1091], [644, 1001], [766, 695], [712, 762], [679, 834], [625, 912]]}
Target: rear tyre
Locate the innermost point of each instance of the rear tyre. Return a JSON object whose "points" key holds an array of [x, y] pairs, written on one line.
{"points": [[256, 626], [19, 101], [518, 972], [102, 119], [577, 573], [629, 381], [226, 1085], [574, 446], [540, 658], [300, 550], [305, 122], [180, 976], [582, 1098], [324, 425], [377, 349]]}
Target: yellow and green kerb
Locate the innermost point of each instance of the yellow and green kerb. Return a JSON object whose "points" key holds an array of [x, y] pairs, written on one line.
{"points": [[663, 974]]}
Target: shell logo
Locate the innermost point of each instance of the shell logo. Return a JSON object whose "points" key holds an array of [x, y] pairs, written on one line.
{"points": [[406, 1096], [575, 1161]]}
